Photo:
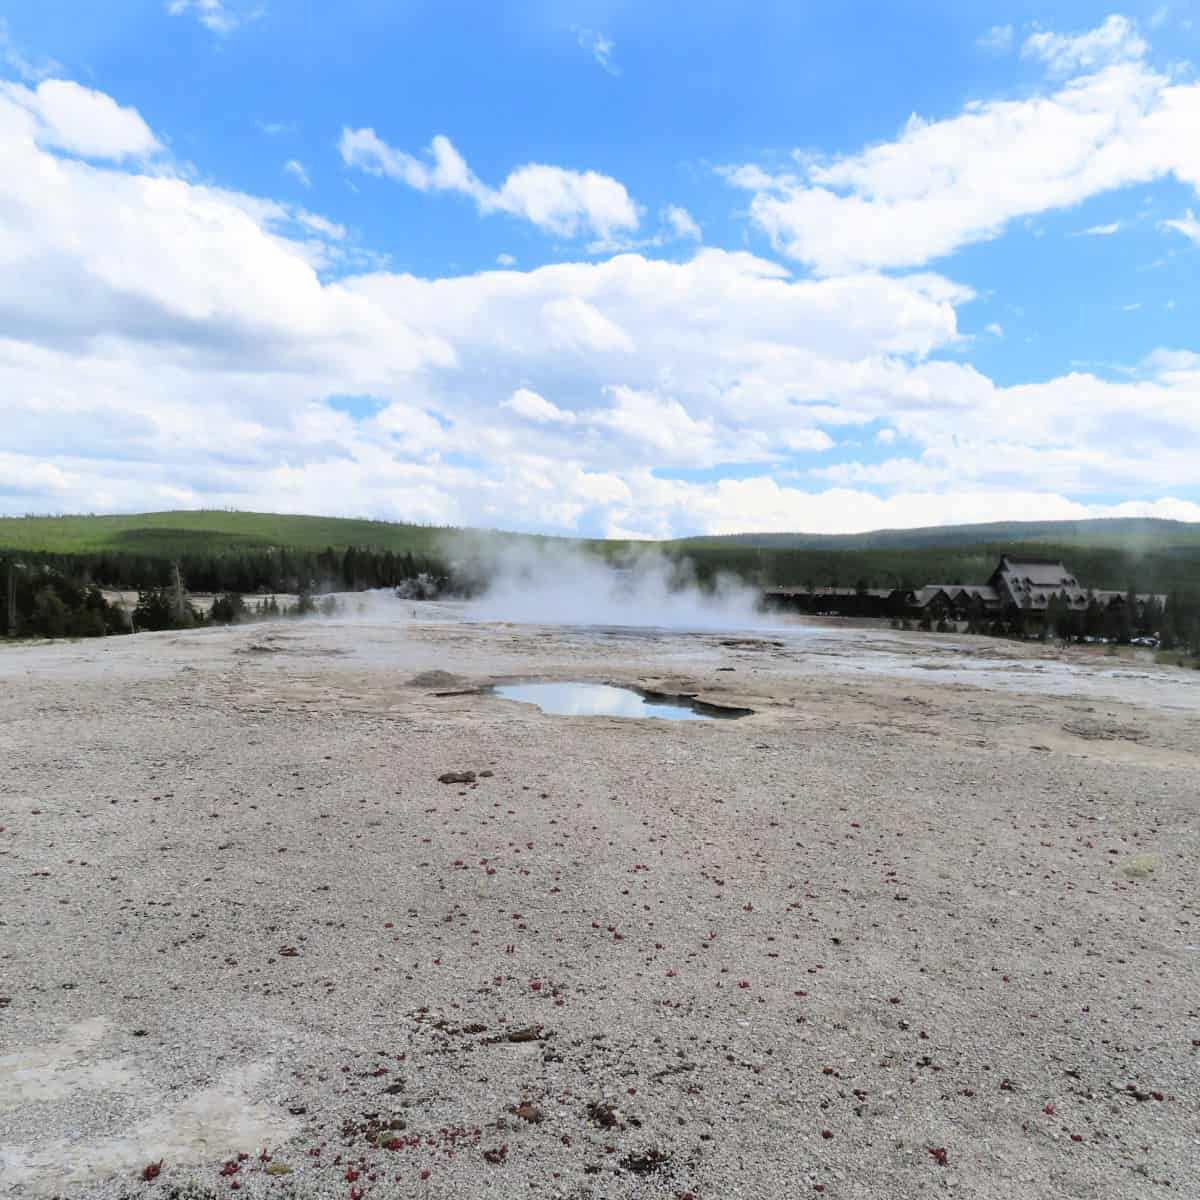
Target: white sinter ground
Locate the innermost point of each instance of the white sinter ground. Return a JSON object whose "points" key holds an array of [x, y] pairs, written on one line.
{"points": [[926, 921]]}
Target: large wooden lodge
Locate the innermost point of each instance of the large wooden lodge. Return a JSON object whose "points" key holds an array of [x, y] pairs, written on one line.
{"points": [[1019, 589]]}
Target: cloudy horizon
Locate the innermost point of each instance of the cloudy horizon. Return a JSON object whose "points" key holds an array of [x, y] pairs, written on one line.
{"points": [[536, 272]]}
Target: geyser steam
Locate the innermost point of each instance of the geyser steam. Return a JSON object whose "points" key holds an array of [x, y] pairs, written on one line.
{"points": [[558, 583]]}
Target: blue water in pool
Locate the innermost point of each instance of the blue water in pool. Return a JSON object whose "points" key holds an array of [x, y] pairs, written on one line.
{"points": [[596, 700]]}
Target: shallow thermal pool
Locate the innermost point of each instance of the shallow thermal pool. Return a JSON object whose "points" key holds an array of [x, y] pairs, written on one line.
{"points": [[605, 700]]}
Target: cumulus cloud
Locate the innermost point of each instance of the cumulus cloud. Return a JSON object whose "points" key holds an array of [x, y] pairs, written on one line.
{"points": [[558, 201], [62, 115], [944, 184], [534, 407], [164, 343]]}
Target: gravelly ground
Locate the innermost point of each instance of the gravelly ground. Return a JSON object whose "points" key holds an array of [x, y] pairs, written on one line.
{"points": [[867, 942]]}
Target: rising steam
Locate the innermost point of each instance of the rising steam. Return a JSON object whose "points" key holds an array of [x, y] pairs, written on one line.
{"points": [[557, 583]]}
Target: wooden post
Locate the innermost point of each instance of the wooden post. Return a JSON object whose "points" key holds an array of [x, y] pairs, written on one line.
{"points": [[12, 599]]}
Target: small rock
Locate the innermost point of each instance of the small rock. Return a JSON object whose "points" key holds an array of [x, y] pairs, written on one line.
{"points": [[643, 1162], [277, 1168], [528, 1111], [531, 1033], [457, 777], [602, 1114], [152, 1170]]}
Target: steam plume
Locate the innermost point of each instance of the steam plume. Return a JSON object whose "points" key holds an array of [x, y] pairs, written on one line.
{"points": [[556, 583]]}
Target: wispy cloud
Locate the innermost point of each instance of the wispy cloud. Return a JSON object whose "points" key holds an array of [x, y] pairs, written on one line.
{"points": [[1101, 230], [214, 15], [1116, 40], [998, 38], [598, 46], [682, 223], [1189, 226], [17, 62], [275, 128], [298, 172], [556, 200]]}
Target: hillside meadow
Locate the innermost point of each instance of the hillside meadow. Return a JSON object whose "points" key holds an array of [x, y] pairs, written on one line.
{"points": [[136, 549]]}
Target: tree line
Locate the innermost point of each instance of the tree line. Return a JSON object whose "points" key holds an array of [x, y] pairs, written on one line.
{"points": [[59, 595]]}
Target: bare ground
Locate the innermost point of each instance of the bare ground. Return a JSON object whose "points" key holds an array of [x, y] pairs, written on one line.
{"points": [[926, 923]]}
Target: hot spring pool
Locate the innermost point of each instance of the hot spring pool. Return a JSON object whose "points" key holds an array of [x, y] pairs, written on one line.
{"points": [[607, 700]]}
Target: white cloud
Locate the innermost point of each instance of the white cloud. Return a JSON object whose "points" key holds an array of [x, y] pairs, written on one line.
{"points": [[1102, 230], [534, 407], [681, 223], [165, 342], [321, 226], [1116, 40], [298, 172], [1188, 225], [945, 184], [505, 260], [573, 324], [598, 46], [1164, 363], [995, 329], [567, 202], [664, 427], [556, 200], [998, 38], [65, 116], [762, 505], [214, 15]]}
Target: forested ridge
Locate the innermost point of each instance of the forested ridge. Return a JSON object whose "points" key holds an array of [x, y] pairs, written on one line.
{"points": [[55, 567]]}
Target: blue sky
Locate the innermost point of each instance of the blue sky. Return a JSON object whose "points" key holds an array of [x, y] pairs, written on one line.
{"points": [[591, 267]]}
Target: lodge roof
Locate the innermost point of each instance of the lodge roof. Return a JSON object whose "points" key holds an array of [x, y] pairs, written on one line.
{"points": [[1021, 574]]}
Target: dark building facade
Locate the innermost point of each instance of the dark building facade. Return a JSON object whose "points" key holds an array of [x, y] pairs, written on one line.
{"points": [[1019, 591]]}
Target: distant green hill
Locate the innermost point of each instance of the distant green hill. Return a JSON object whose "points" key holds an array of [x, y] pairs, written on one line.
{"points": [[1148, 555], [270, 548], [208, 532], [1125, 532]]}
